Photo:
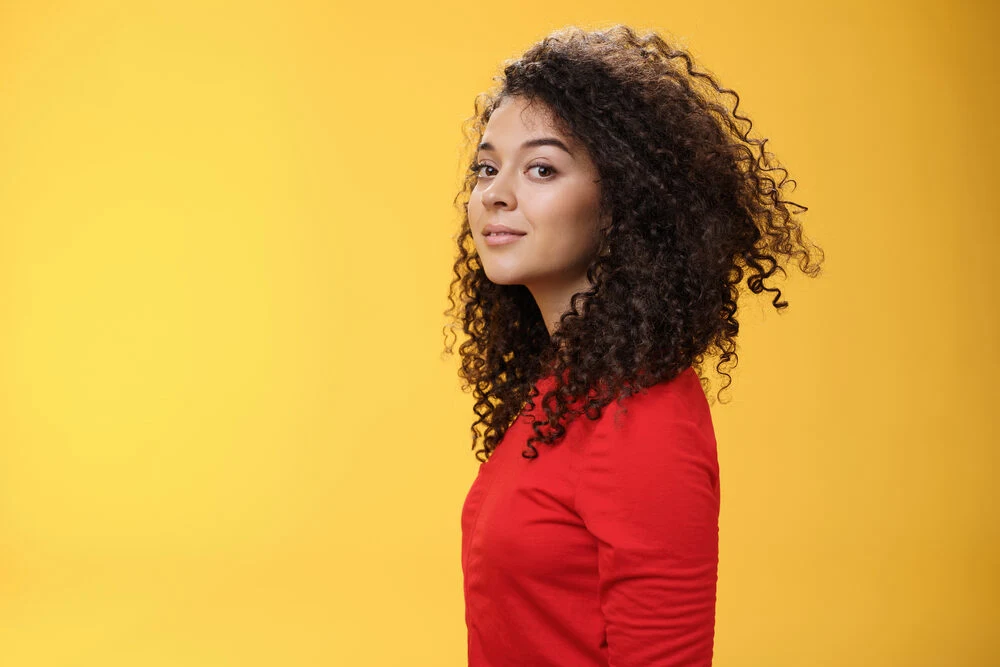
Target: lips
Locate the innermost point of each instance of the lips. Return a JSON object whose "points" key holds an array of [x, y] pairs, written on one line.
{"points": [[501, 229]]}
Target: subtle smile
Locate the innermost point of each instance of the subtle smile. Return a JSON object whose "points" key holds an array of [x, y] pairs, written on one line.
{"points": [[501, 238]]}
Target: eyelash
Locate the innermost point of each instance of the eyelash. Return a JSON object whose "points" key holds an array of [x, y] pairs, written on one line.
{"points": [[476, 168]]}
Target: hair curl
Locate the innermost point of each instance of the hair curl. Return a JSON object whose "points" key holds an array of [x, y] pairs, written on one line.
{"points": [[695, 208]]}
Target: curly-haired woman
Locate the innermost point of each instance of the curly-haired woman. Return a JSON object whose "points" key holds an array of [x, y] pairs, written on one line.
{"points": [[612, 212]]}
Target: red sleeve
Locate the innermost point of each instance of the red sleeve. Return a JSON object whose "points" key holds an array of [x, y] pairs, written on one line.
{"points": [[649, 492]]}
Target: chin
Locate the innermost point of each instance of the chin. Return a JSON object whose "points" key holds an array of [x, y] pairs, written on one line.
{"points": [[503, 277], [503, 280]]}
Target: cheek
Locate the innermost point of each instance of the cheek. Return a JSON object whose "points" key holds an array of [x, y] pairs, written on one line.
{"points": [[475, 207], [577, 215]]}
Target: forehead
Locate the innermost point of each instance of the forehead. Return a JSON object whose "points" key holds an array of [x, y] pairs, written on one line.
{"points": [[523, 117]]}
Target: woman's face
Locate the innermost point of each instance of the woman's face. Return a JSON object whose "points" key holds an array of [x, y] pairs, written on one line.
{"points": [[542, 185]]}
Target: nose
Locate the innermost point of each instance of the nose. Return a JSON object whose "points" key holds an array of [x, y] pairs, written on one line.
{"points": [[499, 194]]}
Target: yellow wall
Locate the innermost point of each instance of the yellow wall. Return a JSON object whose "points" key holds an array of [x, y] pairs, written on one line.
{"points": [[227, 435]]}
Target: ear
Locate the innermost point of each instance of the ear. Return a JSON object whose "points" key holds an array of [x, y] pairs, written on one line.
{"points": [[603, 232], [604, 223]]}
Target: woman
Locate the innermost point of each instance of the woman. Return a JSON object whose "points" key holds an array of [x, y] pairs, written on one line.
{"points": [[613, 209]]}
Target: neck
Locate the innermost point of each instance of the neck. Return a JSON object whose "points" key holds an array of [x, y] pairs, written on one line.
{"points": [[554, 300]]}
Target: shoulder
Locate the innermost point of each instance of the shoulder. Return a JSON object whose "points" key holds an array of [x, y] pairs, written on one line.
{"points": [[675, 401], [655, 448], [661, 432]]}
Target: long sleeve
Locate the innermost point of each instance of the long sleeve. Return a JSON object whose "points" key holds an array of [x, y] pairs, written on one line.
{"points": [[648, 490]]}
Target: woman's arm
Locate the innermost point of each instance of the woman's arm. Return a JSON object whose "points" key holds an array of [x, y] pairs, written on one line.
{"points": [[649, 491]]}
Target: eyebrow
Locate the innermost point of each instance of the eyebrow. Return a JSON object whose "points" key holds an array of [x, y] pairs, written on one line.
{"points": [[531, 143]]}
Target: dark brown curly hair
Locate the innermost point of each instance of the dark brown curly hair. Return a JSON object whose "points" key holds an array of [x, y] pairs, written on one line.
{"points": [[696, 207]]}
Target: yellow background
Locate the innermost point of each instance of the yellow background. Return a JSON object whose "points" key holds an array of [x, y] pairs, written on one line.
{"points": [[227, 433]]}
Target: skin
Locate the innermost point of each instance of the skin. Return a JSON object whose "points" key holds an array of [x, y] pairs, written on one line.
{"points": [[551, 194]]}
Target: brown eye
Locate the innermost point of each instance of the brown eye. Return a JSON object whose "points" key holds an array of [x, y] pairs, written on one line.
{"points": [[479, 168], [544, 171]]}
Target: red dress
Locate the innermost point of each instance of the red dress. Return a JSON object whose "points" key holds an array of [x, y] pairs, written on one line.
{"points": [[603, 550]]}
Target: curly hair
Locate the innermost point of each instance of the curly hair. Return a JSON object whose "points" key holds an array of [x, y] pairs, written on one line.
{"points": [[695, 205]]}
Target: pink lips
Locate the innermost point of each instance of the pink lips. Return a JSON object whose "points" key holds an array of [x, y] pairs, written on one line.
{"points": [[500, 235], [502, 238]]}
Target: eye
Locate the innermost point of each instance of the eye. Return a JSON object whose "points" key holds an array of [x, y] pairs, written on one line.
{"points": [[544, 170], [479, 168]]}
